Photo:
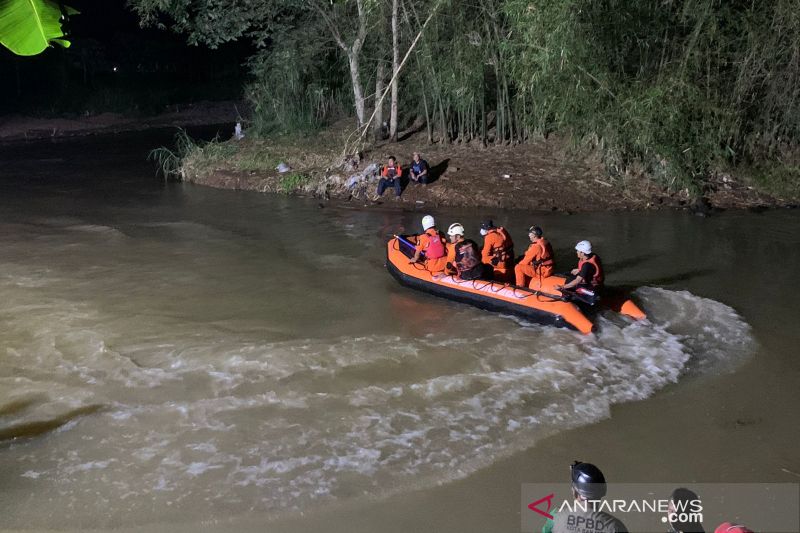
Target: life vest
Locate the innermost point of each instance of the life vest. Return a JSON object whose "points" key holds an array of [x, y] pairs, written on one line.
{"points": [[504, 250], [598, 278], [546, 254], [435, 248], [391, 172], [466, 256]]}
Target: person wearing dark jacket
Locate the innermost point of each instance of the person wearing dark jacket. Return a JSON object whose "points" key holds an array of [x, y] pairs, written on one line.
{"points": [[419, 172]]}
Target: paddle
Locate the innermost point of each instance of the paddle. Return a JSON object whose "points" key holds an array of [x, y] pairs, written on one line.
{"points": [[402, 240]]}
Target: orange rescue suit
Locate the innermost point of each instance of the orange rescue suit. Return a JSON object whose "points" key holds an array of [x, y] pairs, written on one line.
{"points": [[537, 263], [451, 260], [435, 264], [498, 246]]}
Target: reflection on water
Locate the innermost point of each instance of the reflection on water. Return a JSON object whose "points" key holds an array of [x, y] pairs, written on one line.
{"points": [[198, 353]]}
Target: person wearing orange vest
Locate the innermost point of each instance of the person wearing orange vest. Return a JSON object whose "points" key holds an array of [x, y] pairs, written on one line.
{"points": [[537, 263], [433, 245], [390, 177], [589, 273], [456, 234], [463, 256], [498, 250]]}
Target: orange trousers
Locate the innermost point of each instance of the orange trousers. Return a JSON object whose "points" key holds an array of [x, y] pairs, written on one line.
{"points": [[436, 266], [524, 273], [501, 271]]}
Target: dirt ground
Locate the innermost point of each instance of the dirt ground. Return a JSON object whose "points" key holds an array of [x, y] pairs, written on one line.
{"points": [[16, 127], [543, 175]]}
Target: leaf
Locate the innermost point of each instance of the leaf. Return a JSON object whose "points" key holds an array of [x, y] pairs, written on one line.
{"points": [[27, 27]]}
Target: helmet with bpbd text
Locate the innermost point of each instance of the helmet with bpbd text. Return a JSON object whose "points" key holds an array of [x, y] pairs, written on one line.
{"points": [[455, 229], [587, 480]]}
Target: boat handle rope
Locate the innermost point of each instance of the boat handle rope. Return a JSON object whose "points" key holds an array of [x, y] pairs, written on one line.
{"points": [[538, 294]]}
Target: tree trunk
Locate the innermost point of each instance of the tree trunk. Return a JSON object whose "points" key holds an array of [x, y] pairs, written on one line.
{"points": [[428, 124], [358, 93], [395, 71], [377, 125], [483, 114], [353, 51]]}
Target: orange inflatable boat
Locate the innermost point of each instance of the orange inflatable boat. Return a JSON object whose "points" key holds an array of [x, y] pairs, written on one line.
{"points": [[543, 303]]}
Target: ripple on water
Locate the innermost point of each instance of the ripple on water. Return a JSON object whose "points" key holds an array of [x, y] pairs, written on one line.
{"points": [[222, 424]]}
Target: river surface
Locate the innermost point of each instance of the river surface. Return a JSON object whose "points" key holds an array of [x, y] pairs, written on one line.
{"points": [[178, 357]]}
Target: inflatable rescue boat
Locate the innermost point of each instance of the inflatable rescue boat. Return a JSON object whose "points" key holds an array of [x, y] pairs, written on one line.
{"points": [[542, 303]]}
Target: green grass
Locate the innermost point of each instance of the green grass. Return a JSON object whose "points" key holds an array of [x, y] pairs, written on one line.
{"points": [[234, 155], [780, 180], [169, 162], [292, 182], [253, 159]]}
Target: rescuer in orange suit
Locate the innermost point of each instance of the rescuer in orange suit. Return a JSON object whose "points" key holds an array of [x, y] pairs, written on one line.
{"points": [[498, 250], [537, 263], [456, 234], [433, 245], [463, 256]]}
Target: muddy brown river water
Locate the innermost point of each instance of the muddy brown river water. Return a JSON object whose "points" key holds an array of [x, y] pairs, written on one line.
{"points": [[178, 358]]}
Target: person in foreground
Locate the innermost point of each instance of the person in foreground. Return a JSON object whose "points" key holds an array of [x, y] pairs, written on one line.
{"points": [[682, 504], [728, 527], [588, 484], [537, 263], [589, 273], [432, 244]]}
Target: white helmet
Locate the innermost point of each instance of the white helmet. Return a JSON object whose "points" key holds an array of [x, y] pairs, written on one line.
{"points": [[427, 222], [584, 246], [455, 229]]}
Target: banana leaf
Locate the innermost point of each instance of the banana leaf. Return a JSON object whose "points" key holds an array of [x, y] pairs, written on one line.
{"points": [[27, 27]]}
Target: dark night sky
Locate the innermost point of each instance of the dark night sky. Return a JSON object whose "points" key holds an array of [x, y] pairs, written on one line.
{"points": [[154, 68]]}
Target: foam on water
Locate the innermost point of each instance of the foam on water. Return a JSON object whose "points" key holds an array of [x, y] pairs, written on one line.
{"points": [[216, 422]]}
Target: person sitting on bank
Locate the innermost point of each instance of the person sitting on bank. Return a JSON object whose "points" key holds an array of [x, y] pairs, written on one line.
{"points": [[498, 250], [419, 170], [537, 263], [432, 244], [588, 485], [390, 177], [589, 273]]}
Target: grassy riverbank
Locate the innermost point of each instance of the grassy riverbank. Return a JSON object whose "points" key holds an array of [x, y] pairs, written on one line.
{"points": [[546, 174]]}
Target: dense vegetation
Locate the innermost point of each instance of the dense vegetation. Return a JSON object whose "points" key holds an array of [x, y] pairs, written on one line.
{"points": [[675, 88]]}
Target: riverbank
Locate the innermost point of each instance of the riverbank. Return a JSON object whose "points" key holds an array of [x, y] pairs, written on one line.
{"points": [[543, 175], [20, 127]]}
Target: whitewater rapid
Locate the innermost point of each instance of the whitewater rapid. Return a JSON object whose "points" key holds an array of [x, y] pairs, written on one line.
{"points": [[151, 420]]}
